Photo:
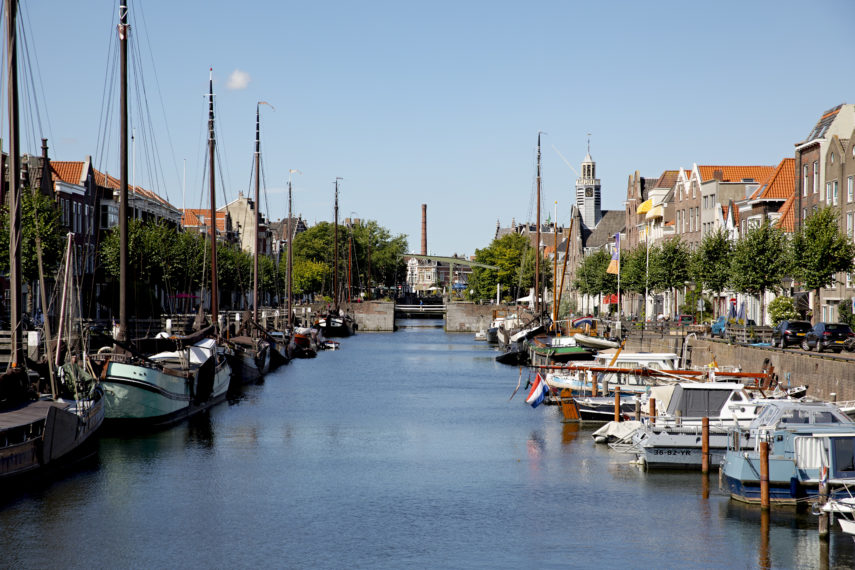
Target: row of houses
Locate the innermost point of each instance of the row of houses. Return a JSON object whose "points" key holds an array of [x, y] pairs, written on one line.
{"points": [[692, 201], [89, 204]]}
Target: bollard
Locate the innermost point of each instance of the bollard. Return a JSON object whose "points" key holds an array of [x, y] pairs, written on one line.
{"points": [[705, 445], [764, 475], [594, 386], [833, 396], [637, 410], [617, 403], [652, 412]]}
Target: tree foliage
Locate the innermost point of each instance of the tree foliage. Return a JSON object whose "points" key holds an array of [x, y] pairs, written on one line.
{"points": [[40, 218], [513, 256], [782, 308], [709, 265], [376, 257], [591, 276], [759, 261], [820, 250]]}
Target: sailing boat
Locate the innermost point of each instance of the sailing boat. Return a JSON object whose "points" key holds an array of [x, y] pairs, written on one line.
{"points": [[252, 354], [188, 374], [304, 339], [336, 323], [35, 432]]}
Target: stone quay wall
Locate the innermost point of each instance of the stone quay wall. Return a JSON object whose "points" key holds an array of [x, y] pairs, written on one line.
{"points": [[824, 374], [468, 317], [373, 316]]}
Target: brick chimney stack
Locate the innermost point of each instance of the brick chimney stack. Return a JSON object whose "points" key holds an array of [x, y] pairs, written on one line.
{"points": [[424, 229]]}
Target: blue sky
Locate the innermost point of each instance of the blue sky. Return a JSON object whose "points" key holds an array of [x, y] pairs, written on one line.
{"points": [[440, 102]]}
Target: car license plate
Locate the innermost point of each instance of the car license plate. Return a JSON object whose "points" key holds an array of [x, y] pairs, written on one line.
{"points": [[838, 342], [800, 334]]}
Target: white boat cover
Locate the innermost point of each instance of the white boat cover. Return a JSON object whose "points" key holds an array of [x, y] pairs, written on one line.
{"points": [[616, 430]]}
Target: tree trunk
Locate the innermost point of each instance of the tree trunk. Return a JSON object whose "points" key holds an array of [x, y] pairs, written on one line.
{"points": [[814, 318]]}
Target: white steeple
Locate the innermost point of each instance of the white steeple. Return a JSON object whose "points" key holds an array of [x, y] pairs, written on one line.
{"points": [[588, 192]]}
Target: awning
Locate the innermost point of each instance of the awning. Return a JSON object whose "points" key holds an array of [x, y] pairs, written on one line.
{"points": [[645, 206], [655, 212]]}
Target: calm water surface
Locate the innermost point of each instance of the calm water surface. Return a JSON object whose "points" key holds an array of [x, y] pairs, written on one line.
{"points": [[399, 450]]}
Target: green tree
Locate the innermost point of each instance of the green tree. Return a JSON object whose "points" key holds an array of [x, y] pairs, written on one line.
{"points": [[782, 308], [592, 278], [820, 251], [669, 266], [709, 265], [513, 255], [40, 218], [844, 312], [759, 261], [633, 271]]}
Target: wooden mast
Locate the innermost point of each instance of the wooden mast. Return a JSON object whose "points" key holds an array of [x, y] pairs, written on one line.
{"points": [[537, 239], [288, 264], [335, 252], [256, 224], [124, 290], [213, 214], [16, 306]]}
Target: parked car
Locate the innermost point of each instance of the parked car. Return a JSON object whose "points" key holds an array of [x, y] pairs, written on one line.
{"points": [[827, 336], [719, 326], [788, 333], [685, 320]]}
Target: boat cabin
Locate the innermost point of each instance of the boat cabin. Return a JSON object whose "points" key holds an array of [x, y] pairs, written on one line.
{"points": [[714, 400]]}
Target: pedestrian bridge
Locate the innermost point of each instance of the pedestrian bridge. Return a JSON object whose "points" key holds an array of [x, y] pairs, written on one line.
{"points": [[420, 311]]}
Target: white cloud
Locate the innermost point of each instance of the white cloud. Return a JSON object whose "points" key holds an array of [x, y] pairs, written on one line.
{"points": [[238, 80]]}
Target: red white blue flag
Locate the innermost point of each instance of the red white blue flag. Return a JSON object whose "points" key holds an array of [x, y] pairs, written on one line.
{"points": [[538, 392]]}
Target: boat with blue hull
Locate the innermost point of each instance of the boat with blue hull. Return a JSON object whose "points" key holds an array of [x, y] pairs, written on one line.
{"points": [[809, 443]]}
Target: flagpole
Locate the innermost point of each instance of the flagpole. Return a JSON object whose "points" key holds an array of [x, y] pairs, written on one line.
{"points": [[617, 244]]}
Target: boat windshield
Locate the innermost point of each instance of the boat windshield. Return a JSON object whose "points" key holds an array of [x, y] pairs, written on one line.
{"points": [[789, 415], [843, 457]]}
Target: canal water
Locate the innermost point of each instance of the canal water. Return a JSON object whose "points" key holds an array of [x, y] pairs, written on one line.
{"points": [[399, 450]]}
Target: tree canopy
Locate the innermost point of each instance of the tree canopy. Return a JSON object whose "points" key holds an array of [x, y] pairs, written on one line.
{"points": [[820, 250]]}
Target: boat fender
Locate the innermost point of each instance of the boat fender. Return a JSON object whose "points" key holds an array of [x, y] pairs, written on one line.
{"points": [[600, 439], [105, 349]]}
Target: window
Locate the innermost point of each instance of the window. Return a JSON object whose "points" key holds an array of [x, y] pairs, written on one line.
{"points": [[828, 192], [850, 188], [832, 158], [835, 190], [706, 202], [815, 177], [850, 220], [804, 214], [804, 180]]}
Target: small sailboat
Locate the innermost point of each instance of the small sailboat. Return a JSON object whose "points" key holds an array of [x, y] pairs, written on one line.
{"points": [[182, 375], [336, 322]]}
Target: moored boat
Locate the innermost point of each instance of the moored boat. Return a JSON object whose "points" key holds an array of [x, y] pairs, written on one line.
{"points": [[810, 444]]}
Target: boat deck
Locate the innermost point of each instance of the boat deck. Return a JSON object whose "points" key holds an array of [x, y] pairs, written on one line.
{"points": [[28, 413]]}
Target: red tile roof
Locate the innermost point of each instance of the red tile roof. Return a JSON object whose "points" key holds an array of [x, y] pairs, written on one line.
{"points": [[736, 173], [107, 181], [780, 185], [192, 218], [68, 172], [787, 221]]}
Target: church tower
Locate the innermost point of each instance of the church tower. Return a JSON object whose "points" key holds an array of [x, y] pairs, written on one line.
{"points": [[588, 192]]}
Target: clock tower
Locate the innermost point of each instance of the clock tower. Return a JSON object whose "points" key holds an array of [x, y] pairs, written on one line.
{"points": [[588, 192]]}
